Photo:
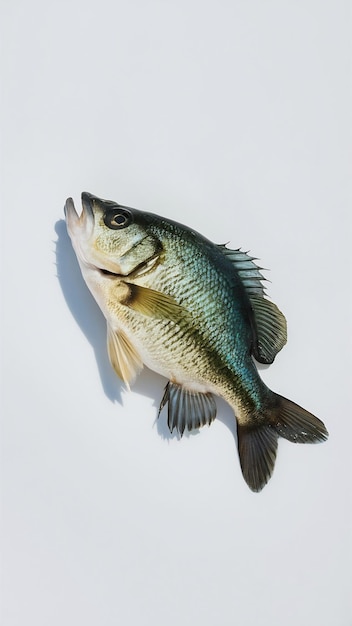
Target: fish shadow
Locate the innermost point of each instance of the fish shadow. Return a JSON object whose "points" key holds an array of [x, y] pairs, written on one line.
{"points": [[84, 309], [92, 323]]}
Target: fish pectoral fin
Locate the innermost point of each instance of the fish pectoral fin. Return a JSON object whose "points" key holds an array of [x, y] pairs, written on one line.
{"points": [[187, 410], [271, 329], [124, 358], [154, 303]]}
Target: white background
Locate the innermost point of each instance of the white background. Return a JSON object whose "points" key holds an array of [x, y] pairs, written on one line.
{"points": [[232, 117]]}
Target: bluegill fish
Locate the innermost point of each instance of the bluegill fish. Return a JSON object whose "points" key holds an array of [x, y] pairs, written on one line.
{"points": [[196, 313]]}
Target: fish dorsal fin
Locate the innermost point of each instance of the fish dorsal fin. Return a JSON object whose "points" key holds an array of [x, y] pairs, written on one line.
{"points": [[270, 332], [248, 271], [187, 410], [271, 329], [124, 358], [154, 303]]}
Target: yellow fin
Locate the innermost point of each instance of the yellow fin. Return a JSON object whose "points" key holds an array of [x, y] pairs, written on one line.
{"points": [[123, 356], [154, 304]]}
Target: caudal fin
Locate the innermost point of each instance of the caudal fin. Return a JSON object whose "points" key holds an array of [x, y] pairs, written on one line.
{"points": [[297, 424], [257, 440]]}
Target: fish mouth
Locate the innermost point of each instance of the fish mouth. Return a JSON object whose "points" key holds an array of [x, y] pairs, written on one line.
{"points": [[71, 214], [83, 222], [88, 203], [81, 229]]}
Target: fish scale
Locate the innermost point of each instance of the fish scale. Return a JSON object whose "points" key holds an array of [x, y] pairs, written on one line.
{"points": [[196, 313]]}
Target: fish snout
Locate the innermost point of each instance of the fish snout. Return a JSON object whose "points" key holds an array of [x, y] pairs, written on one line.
{"points": [[80, 225], [71, 215]]}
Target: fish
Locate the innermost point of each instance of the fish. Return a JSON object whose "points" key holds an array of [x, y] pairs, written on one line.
{"points": [[196, 313]]}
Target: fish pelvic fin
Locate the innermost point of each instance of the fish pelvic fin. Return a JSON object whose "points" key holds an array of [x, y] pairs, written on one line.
{"points": [[187, 410], [124, 358], [257, 441]]}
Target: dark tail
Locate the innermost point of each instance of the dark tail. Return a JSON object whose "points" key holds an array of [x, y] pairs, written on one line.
{"points": [[257, 442]]}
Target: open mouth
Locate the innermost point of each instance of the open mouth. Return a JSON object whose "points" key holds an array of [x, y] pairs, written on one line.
{"points": [[77, 224], [70, 211], [87, 208], [87, 202], [81, 231]]}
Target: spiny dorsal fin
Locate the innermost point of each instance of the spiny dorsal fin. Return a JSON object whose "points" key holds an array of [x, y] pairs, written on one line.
{"points": [[248, 271], [123, 356], [154, 303], [270, 333], [187, 410]]}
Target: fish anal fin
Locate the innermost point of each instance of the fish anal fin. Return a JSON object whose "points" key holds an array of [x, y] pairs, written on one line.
{"points": [[187, 410], [270, 329], [154, 303], [124, 358]]}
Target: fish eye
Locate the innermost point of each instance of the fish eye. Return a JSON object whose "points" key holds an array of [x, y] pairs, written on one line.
{"points": [[117, 218]]}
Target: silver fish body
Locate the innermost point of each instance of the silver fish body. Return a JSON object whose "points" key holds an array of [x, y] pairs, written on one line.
{"points": [[196, 313]]}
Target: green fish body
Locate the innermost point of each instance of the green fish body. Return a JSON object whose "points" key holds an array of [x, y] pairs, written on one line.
{"points": [[196, 313]]}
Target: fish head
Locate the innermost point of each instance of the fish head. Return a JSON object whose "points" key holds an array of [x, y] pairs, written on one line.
{"points": [[109, 237]]}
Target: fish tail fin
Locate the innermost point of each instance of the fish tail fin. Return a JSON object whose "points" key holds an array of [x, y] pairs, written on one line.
{"points": [[257, 446], [257, 440]]}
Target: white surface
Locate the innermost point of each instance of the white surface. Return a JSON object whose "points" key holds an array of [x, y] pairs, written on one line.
{"points": [[232, 117]]}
